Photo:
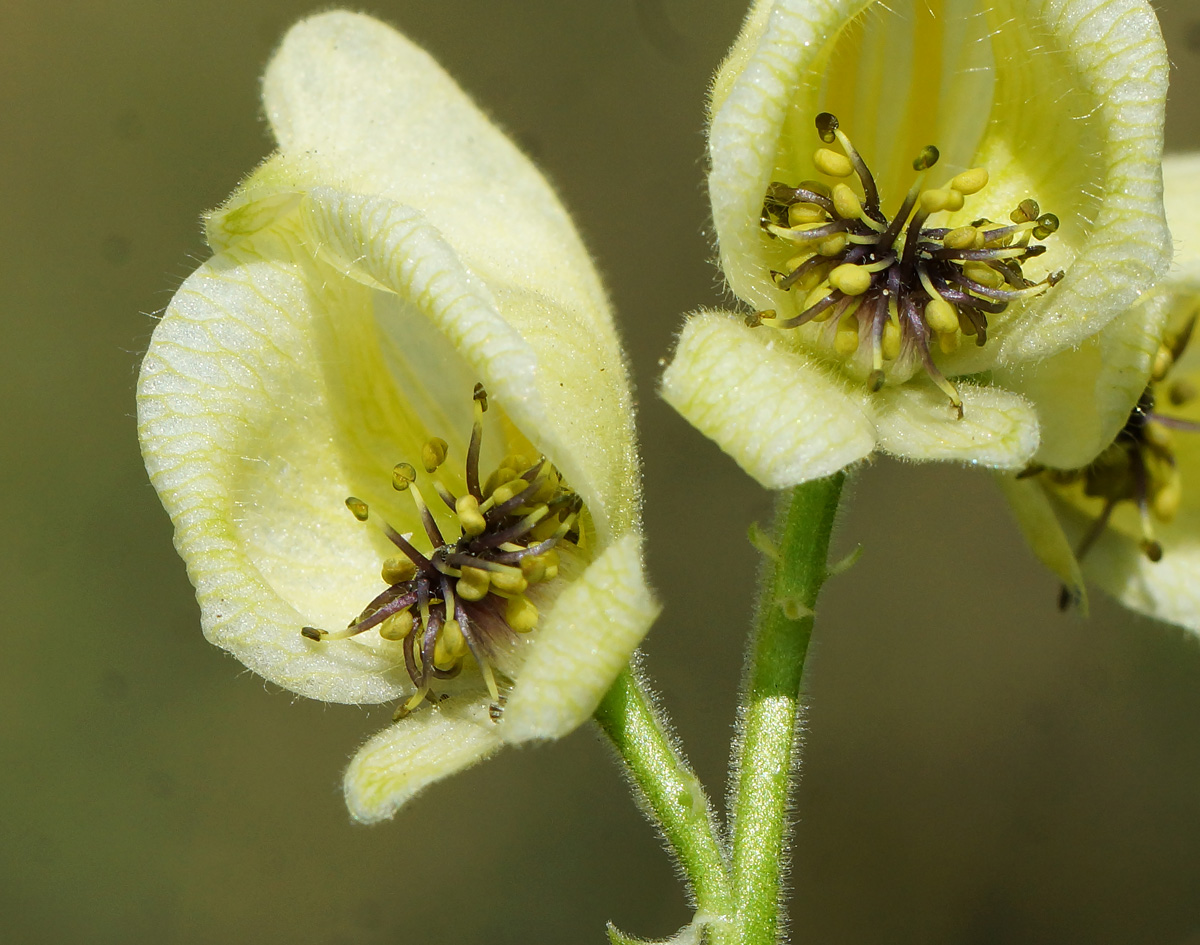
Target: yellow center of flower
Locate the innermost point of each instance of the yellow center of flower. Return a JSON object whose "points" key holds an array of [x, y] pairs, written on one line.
{"points": [[468, 596], [1139, 465], [890, 290]]}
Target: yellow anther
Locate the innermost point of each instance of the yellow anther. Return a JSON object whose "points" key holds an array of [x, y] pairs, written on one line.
{"points": [[970, 182], [397, 626], [507, 490], [890, 341], [451, 646], [845, 342], [358, 508], [547, 485], [1165, 500], [509, 582], [984, 274], [1157, 435], [1181, 391], [816, 187], [962, 238], [1163, 359], [502, 475], [928, 157], [800, 214], [474, 584], [846, 202], [403, 476], [810, 280], [521, 613], [433, 453], [469, 517], [533, 567], [815, 296], [1047, 223], [1027, 210], [397, 570], [833, 245], [517, 462], [850, 279], [934, 201], [832, 163], [550, 559], [940, 315], [948, 342]]}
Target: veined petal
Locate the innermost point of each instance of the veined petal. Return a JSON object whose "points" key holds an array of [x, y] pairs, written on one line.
{"points": [[998, 428], [587, 637], [252, 463], [407, 756], [783, 417], [1078, 126]]}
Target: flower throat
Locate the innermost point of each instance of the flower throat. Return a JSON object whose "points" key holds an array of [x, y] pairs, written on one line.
{"points": [[891, 289], [467, 597]]}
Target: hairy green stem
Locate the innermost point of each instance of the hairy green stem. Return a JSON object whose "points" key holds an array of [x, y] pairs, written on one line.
{"points": [[765, 754], [669, 791]]}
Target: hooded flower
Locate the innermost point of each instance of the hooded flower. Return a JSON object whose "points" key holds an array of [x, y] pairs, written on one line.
{"points": [[917, 200], [394, 398], [1129, 520]]}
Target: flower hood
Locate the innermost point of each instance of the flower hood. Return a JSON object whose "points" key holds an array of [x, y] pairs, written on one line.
{"points": [[395, 251], [1059, 100]]}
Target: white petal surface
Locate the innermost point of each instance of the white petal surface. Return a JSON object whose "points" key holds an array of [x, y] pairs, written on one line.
{"points": [[588, 636], [783, 417], [409, 755], [915, 421]]}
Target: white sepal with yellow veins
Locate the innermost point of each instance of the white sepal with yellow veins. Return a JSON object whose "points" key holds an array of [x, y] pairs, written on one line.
{"points": [[1130, 521], [395, 256], [1033, 105]]}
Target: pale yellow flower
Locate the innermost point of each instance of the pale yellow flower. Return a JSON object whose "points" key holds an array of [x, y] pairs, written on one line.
{"points": [[1059, 101], [1130, 521], [393, 254]]}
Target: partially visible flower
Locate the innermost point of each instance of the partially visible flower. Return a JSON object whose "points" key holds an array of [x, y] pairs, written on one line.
{"points": [[399, 311], [1129, 520], [867, 304]]}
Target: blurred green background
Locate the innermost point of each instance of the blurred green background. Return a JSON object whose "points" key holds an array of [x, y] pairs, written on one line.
{"points": [[978, 768]]}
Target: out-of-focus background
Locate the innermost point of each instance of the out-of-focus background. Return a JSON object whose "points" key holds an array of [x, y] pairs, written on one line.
{"points": [[978, 768]]}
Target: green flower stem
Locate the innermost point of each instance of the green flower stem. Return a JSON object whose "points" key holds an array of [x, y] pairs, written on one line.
{"points": [[795, 570], [670, 792]]}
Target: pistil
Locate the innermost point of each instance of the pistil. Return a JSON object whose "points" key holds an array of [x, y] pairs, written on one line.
{"points": [[892, 284], [469, 593]]}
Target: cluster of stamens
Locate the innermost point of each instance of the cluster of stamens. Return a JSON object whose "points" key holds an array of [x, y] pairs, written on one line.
{"points": [[1139, 465], [893, 288], [468, 596]]}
